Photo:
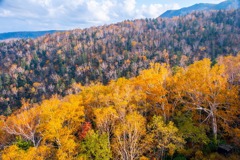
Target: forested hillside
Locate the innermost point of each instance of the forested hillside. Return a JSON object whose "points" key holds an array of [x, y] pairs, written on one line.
{"points": [[36, 69], [179, 113]]}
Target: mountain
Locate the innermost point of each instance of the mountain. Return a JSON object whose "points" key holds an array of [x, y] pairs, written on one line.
{"points": [[19, 35], [39, 68], [235, 4]]}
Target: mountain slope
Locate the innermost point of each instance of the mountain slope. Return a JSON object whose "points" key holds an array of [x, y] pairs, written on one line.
{"points": [[200, 7], [16, 35], [39, 68]]}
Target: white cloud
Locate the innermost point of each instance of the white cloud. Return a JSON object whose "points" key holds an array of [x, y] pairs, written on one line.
{"points": [[154, 10], [175, 6], [75, 3], [6, 13], [100, 11], [129, 6], [43, 3], [215, 1], [70, 14], [54, 12]]}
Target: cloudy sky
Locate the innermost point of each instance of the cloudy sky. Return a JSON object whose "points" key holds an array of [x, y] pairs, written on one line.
{"points": [[35, 15]]}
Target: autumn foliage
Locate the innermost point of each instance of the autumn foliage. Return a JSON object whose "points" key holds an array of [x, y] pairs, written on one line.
{"points": [[37, 69], [162, 113]]}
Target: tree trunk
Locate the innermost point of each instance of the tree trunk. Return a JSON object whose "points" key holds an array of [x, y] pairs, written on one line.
{"points": [[214, 127]]}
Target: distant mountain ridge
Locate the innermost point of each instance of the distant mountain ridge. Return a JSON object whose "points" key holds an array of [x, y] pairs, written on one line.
{"points": [[235, 4], [26, 34]]}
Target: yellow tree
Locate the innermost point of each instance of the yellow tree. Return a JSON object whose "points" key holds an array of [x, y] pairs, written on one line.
{"points": [[123, 104], [206, 89], [111, 105], [106, 118], [5, 138], [36, 153], [125, 97], [94, 96], [25, 123], [60, 121], [232, 67], [232, 70], [164, 137], [128, 135], [173, 86], [152, 82]]}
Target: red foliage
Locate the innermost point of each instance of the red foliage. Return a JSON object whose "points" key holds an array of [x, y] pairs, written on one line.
{"points": [[84, 130]]}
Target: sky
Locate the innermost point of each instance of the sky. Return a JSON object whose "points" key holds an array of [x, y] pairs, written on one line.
{"points": [[38, 15]]}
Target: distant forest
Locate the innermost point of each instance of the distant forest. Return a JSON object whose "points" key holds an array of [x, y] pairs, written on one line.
{"points": [[36, 69]]}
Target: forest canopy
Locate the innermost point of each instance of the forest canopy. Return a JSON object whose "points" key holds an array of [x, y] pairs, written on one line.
{"points": [[164, 112]]}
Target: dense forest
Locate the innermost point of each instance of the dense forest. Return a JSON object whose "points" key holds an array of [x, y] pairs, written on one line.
{"points": [[36, 69], [165, 112]]}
